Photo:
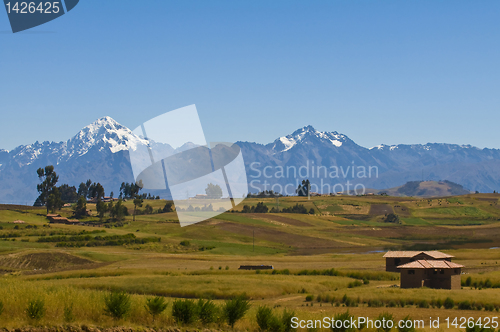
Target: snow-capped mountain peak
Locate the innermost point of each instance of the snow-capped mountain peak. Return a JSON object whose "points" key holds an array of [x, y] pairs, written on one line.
{"points": [[305, 134], [104, 132]]}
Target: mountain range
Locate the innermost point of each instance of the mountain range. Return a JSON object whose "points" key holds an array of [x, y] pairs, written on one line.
{"points": [[100, 152]]}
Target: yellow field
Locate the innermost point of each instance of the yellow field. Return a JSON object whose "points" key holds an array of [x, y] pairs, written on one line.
{"points": [[201, 261]]}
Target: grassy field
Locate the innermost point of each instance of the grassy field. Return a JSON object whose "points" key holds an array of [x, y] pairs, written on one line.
{"points": [[75, 266]]}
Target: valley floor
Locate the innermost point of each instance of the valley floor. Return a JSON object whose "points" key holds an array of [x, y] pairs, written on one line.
{"points": [[325, 263]]}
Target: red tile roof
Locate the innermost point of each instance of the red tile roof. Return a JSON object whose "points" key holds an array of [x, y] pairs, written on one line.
{"points": [[437, 254], [401, 254], [430, 264]]}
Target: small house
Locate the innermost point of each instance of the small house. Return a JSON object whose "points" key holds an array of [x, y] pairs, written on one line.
{"points": [[431, 273], [393, 259], [256, 267]]}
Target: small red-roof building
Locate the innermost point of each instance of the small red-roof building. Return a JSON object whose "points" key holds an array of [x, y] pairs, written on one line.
{"points": [[393, 259], [431, 273]]}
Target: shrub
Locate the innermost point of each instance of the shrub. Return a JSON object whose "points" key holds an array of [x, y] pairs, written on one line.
{"points": [[423, 304], [489, 307], [156, 305], [275, 324], [464, 305], [449, 303], [375, 303], [286, 320], [392, 218], [387, 317], [488, 283], [343, 317], [309, 298], [68, 313], [185, 243], [478, 328], [264, 317], [117, 304], [207, 311], [439, 303], [235, 309], [184, 311], [403, 324], [355, 283], [36, 309]]}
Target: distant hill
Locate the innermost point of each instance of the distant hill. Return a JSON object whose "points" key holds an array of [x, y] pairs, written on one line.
{"points": [[427, 189]]}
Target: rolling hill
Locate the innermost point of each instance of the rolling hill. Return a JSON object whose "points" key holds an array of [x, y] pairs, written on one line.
{"points": [[427, 189]]}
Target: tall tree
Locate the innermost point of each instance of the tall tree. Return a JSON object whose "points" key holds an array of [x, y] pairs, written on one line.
{"points": [[213, 191], [304, 189], [68, 194], [137, 202], [119, 211], [80, 209], [102, 208], [49, 180], [96, 190], [84, 188], [54, 202]]}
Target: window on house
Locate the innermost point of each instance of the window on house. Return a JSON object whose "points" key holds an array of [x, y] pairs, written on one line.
{"points": [[441, 272], [435, 272], [411, 271]]}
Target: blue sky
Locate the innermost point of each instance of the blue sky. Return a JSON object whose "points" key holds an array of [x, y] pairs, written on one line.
{"points": [[378, 71]]}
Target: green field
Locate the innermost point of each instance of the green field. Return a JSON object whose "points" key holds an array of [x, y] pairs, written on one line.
{"points": [[77, 266]]}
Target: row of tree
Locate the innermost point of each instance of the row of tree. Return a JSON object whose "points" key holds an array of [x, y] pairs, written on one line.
{"points": [[54, 198]]}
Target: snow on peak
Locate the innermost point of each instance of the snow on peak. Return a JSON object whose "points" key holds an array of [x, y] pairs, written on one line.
{"points": [[301, 134], [104, 131]]}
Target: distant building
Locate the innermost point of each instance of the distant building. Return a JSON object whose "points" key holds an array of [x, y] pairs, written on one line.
{"points": [[18, 222], [431, 273], [256, 267], [57, 219], [393, 259], [104, 199]]}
